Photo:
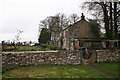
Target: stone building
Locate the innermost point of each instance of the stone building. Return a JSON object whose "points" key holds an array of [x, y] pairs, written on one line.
{"points": [[70, 36]]}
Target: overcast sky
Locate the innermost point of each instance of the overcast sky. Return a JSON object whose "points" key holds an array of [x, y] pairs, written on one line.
{"points": [[25, 15]]}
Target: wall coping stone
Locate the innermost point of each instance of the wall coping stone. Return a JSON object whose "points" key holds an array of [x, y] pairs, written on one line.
{"points": [[29, 52]]}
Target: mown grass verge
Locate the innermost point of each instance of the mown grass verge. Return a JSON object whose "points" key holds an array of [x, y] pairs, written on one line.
{"points": [[54, 71]]}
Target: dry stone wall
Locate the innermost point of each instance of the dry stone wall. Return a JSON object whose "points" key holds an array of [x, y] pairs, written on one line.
{"points": [[107, 55], [13, 59]]}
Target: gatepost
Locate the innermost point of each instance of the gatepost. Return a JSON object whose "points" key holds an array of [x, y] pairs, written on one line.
{"points": [[0, 66], [0, 62], [82, 49]]}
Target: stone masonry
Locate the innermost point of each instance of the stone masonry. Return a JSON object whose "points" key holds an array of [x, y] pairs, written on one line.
{"points": [[13, 59], [106, 55]]}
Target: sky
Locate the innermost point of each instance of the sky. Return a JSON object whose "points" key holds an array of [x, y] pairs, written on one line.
{"points": [[25, 15]]}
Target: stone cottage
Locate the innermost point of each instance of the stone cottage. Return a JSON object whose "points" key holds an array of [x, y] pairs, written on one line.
{"points": [[70, 36]]}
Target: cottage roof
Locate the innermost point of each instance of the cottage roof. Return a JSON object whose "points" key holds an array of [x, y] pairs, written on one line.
{"points": [[82, 28], [82, 19]]}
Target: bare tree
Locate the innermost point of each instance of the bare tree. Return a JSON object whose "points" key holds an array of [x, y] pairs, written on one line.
{"points": [[73, 18], [55, 23], [105, 9], [17, 37], [62, 20]]}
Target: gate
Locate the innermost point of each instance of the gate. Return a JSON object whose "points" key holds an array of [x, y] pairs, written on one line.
{"points": [[85, 53]]}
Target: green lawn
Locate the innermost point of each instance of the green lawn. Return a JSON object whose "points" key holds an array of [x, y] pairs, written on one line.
{"points": [[55, 71], [31, 48], [44, 47], [110, 67]]}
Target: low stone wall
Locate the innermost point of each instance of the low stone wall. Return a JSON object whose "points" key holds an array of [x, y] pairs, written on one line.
{"points": [[12, 59], [107, 55]]}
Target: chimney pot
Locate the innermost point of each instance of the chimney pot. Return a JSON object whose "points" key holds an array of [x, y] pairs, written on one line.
{"points": [[82, 17]]}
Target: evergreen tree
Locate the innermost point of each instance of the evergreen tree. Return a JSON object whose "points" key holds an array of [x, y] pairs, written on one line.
{"points": [[44, 36], [95, 27]]}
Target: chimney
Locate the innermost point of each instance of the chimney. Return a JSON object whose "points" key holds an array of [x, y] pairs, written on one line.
{"points": [[82, 17]]}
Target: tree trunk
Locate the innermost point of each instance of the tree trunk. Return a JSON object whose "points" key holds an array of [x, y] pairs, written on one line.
{"points": [[106, 20], [111, 22], [115, 20]]}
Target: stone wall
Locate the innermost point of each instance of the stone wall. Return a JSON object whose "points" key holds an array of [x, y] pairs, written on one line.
{"points": [[12, 59], [107, 55]]}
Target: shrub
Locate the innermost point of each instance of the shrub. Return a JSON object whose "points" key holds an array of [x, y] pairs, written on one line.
{"points": [[63, 49], [44, 45], [54, 47], [9, 48]]}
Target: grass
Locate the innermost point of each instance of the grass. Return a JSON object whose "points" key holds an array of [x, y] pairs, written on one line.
{"points": [[30, 48], [54, 71], [44, 47], [110, 67]]}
